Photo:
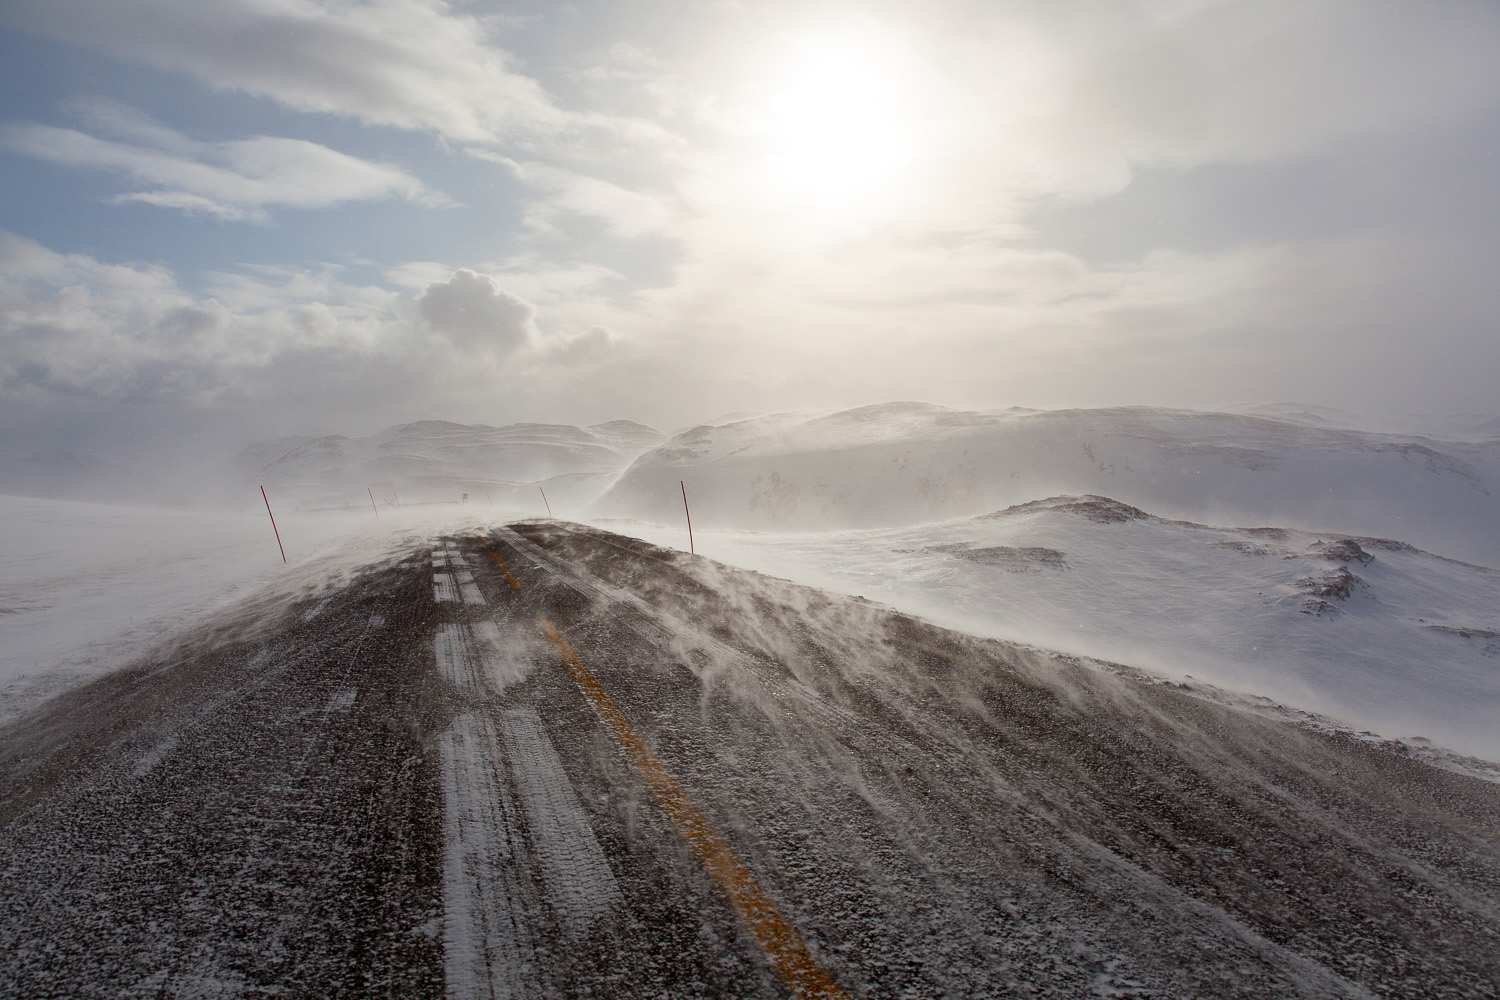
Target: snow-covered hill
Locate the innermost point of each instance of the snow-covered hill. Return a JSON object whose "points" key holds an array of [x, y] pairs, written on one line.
{"points": [[1079, 530], [433, 460], [1371, 632], [914, 463]]}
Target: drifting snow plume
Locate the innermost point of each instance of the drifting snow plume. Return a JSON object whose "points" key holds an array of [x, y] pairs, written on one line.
{"points": [[438, 461], [1370, 631]]}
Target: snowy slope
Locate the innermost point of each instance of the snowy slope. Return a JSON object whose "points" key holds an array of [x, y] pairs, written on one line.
{"points": [[85, 588], [433, 460], [1373, 633], [913, 463]]}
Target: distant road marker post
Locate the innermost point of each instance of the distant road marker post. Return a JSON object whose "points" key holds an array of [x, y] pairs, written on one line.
{"points": [[691, 550], [372, 502], [544, 500], [273, 523], [783, 946]]}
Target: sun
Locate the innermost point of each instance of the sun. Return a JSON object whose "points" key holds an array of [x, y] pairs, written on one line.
{"points": [[840, 127]]}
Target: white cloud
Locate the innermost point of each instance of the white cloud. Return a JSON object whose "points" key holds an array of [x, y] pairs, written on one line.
{"points": [[234, 180], [476, 313], [72, 325], [590, 346], [418, 64], [625, 213]]}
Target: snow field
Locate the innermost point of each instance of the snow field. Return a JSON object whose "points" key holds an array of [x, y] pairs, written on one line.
{"points": [[86, 588]]}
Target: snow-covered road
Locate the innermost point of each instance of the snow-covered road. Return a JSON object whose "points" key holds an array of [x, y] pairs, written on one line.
{"points": [[544, 760]]}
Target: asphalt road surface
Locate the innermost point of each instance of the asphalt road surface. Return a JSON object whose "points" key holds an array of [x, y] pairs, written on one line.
{"points": [[550, 761]]}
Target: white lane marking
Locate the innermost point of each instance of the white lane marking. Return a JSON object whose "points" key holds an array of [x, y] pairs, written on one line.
{"points": [[468, 588], [316, 609], [580, 885], [342, 700], [487, 942], [377, 621], [443, 588], [154, 756]]}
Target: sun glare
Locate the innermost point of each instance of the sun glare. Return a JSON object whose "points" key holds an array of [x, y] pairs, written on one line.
{"points": [[840, 130]]}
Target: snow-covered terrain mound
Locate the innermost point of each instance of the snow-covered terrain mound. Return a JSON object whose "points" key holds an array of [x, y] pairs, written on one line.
{"points": [[914, 463], [1371, 632], [433, 460]]}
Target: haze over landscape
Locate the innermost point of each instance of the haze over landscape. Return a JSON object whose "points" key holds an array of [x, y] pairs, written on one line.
{"points": [[1088, 414], [242, 220]]}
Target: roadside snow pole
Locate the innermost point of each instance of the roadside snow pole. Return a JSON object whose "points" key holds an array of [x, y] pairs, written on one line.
{"points": [[689, 514], [544, 500], [273, 523], [372, 502]]}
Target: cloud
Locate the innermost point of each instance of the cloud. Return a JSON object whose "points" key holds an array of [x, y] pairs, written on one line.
{"points": [[740, 292], [475, 313], [417, 64], [90, 330], [588, 347], [235, 180], [625, 213], [1248, 82], [120, 358]]}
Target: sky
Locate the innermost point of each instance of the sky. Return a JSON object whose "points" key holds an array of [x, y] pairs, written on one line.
{"points": [[237, 220]]}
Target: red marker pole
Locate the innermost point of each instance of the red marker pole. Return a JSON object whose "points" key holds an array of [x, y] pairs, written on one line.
{"points": [[273, 523], [544, 500], [372, 502], [689, 514]]}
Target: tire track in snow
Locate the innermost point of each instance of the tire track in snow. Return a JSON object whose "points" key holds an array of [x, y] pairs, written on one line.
{"points": [[475, 660], [491, 840], [580, 884], [488, 947]]}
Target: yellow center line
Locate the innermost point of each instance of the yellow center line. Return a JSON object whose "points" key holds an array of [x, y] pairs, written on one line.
{"points": [[782, 944], [504, 569]]}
